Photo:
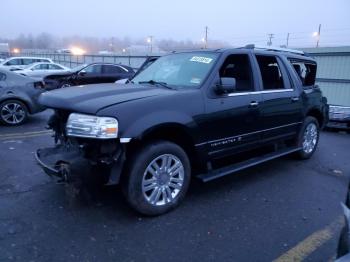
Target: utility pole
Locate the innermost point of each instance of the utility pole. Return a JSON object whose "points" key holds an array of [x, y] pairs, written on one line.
{"points": [[269, 42], [206, 37], [287, 40], [318, 35]]}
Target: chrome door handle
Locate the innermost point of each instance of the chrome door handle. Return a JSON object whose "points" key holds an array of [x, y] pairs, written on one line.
{"points": [[253, 104], [295, 99]]}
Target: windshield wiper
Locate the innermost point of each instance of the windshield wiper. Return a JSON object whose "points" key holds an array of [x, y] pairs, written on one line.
{"points": [[153, 82]]}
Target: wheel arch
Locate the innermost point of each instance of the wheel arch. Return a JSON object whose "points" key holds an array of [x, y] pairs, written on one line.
{"points": [[316, 113], [172, 132]]}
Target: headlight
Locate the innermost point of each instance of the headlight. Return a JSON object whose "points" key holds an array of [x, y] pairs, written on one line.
{"points": [[92, 126]]}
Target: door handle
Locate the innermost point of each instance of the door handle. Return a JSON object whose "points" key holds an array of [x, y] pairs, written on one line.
{"points": [[253, 104], [295, 99]]}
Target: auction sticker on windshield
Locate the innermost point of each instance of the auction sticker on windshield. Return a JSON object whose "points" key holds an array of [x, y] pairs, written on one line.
{"points": [[201, 59]]}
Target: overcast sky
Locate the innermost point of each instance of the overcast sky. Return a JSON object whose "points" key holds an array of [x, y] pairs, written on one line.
{"points": [[235, 22]]}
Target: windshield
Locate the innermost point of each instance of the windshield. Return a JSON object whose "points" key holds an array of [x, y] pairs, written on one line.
{"points": [[78, 68], [183, 70]]}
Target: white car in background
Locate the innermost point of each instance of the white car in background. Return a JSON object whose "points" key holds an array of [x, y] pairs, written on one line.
{"points": [[43, 69], [17, 63]]}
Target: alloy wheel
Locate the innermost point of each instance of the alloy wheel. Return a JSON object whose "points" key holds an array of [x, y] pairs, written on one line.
{"points": [[12, 113], [310, 138], [163, 180]]}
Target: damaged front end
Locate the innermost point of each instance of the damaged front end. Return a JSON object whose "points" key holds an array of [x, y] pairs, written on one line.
{"points": [[80, 158]]}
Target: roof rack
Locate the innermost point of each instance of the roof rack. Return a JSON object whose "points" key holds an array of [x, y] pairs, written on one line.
{"points": [[279, 49]]}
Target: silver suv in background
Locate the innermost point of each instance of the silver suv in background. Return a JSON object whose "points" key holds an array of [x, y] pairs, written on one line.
{"points": [[42, 69], [18, 63]]}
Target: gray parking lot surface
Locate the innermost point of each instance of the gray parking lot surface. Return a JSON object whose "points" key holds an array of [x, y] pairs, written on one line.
{"points": [[282, 209]]}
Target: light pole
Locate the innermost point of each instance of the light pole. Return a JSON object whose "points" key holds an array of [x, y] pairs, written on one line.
{"points": [[318, 34], [150, 41]]}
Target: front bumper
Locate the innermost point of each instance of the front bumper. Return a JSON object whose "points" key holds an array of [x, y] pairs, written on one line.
{"points": [[57, 162], [69, 164]]}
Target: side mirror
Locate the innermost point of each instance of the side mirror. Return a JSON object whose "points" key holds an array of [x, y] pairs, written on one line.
{"points": [[227, 85]]}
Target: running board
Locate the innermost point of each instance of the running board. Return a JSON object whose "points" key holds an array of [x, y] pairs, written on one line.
{"points": [[216, 173]]}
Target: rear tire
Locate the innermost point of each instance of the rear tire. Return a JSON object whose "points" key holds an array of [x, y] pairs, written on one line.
{"points": [[13, 112], [157, 178], [308, 138]]}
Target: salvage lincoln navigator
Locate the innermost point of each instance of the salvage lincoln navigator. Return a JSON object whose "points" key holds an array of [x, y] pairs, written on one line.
{"points": [[204, 114]]}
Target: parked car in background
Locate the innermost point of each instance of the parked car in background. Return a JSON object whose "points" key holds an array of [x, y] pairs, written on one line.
{"points": [[42, 69], [339, 117], [149, 60], [89, 74], [17, 63], [18, 97]]}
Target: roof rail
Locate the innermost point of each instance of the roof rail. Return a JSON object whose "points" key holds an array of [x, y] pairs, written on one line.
{"points": [[279, 49]]}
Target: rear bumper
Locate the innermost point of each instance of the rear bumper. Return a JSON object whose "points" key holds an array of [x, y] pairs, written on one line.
{"points": [[339, 117], [345, 125]]}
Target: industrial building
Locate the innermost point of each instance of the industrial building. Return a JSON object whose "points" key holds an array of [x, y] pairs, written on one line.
{"points": [[333, 73]]}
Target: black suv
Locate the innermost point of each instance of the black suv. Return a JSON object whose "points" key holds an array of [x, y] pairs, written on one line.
{"points": [[201, 113]]}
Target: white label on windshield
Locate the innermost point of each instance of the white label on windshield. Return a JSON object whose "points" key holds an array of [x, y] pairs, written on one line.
{"points": [[201, 59]]}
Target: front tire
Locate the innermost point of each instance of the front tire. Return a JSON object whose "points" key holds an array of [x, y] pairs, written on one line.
{"points": [[13, 112], [65, 85], [308, 138], [157, 179]]}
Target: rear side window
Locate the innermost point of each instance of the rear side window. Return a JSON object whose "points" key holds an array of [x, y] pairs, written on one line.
{"points": [[270, 72], [306, 71], [111, 69], [41, 67], [54, 67], [93, 69], [28, 61]]}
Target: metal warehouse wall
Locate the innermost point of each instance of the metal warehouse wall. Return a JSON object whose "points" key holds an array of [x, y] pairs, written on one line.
{"points": [[333, 73]]}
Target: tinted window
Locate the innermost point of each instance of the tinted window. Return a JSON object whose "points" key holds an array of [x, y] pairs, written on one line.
{"points": [[54, 67], [238, 67], [28, 61], [15, 61], [41, 67], [270, 72], [93, 69], [111, 69], [42, 60], [306, 71]]}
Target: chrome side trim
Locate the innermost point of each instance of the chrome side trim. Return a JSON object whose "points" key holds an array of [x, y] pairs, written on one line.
{"points": [[125, 140], [262, 92], [247, 134], [277, 91]]}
